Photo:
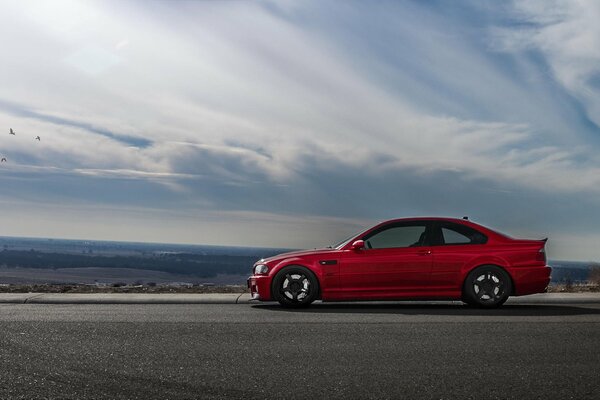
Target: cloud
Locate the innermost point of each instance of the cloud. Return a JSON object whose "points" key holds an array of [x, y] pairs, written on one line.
{"points": [[92, 60], [271, 82], [329, 110], [21, 111], [567, 34]]}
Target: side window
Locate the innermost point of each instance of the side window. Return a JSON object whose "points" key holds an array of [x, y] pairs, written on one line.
{"points": [[460, 234], [397, 236], [453, 237]]}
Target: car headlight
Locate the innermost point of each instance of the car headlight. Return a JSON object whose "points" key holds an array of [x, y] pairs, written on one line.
{"points": [[261, 269]]}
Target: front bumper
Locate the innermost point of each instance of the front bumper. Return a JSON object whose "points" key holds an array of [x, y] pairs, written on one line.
{"points": [[260, 287]]}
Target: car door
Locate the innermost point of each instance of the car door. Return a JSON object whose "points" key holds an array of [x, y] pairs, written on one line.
{"points": [[395, 262]]}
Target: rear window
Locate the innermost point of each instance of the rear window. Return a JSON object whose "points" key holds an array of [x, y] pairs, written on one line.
{"points": [[459, 234]]}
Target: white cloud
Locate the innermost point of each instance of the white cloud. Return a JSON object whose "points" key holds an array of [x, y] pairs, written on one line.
{"points": [[92, 60], [567, 33], [267, 83], [231, 92]]}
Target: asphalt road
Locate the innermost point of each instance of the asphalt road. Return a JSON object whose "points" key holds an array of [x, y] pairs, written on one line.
{"points": [[402, 350]]}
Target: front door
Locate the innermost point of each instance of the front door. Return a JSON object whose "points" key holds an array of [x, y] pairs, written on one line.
{"points": [[396, 262]]}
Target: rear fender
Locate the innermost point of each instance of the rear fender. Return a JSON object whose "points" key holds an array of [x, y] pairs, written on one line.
{"points": [[484, 260]]}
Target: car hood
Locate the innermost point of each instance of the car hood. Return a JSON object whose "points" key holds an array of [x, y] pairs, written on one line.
{"points": [[293, 254]]}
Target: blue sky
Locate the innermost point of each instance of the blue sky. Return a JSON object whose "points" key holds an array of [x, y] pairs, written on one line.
{"points": [[294, 124]]}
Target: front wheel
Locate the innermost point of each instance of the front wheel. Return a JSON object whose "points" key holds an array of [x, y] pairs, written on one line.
{"points": [[487, 286], [295, 286]]}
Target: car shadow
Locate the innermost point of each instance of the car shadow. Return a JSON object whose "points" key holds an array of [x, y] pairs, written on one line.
{"points": [[512, 310]]}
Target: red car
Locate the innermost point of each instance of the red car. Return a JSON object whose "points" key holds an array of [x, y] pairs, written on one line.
{"points": [[411, 258]]}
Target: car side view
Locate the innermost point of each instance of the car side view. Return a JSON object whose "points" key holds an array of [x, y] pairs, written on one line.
{"points": [[408, 259]]}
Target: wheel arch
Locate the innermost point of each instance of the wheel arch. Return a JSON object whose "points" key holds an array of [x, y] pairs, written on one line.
{"points": [[506, 271], [283, 266]]}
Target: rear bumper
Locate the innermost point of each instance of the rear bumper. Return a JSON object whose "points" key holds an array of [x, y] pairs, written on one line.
{"points": [[260, 287], [531, 280]]}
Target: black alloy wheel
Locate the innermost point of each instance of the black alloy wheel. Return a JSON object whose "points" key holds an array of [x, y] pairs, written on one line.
{"points": [[487, 286], [295, 286]]}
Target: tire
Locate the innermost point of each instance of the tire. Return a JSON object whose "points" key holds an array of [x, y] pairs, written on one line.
{"points": [[487, 286], [295, 287]]}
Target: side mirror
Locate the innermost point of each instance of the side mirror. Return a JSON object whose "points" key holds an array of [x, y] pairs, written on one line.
{"points": [[358, 245]]}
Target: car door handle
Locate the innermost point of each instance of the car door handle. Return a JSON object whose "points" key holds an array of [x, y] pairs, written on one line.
{"points": [[424, 252]]}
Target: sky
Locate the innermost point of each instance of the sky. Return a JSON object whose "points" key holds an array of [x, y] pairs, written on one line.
{"points": [[297, 123]]}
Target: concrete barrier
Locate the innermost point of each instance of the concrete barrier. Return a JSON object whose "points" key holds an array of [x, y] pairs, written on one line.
{"points": [[122, 298], [232, 298], [558, 298]]}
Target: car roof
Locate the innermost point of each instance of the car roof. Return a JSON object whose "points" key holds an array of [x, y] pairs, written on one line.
{"points": [[461, 221], [452, 219]]}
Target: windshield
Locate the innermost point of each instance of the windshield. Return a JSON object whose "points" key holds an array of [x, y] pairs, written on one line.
{"points": [[345, 241]]}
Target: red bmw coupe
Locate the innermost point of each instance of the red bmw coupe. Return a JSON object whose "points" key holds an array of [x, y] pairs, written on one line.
{"points": [[411, 258]]}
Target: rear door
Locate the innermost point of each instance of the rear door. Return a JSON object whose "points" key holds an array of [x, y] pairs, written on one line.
{"points": [[395, 262]]}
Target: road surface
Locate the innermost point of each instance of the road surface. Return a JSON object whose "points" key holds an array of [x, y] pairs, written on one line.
{"points": [[333, 351]]}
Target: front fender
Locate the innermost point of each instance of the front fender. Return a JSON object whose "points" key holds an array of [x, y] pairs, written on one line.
{"points": [[297, 262], [314, 267]]}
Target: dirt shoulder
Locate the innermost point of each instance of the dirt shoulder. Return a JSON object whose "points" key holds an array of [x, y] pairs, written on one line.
{"points": [[574, 288]]}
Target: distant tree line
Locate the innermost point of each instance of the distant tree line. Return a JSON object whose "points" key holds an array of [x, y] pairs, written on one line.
{"points": [[574, 275], [594, 276], [189, 264]]}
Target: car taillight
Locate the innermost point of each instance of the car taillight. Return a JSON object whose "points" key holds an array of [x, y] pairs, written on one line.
{"points": [[541, 254]]}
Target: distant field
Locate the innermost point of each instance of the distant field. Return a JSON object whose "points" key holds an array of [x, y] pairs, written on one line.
{"points": [[110, 276], [27, 260]]}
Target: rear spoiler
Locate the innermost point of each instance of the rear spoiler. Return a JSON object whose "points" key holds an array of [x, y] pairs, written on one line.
{"points": [[541, 256]]}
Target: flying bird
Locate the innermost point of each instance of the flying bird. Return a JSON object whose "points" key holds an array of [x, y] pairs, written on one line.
{"points": [[3, 159], [37, 138], [11, 132]]}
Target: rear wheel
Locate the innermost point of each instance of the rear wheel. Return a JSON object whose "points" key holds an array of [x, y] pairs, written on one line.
{"points": [[295, 286], [487, 286]]}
